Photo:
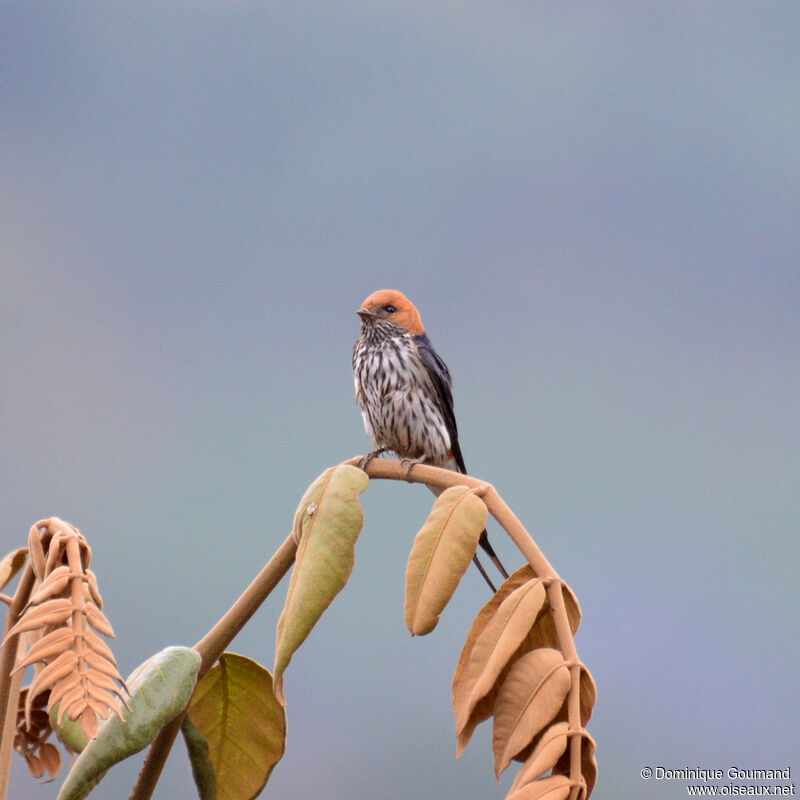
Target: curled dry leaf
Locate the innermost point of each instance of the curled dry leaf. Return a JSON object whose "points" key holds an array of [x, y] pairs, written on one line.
{"points": [[550, 745], [495, 646], [326, 525], [588, 695], [11, 565], [542, 634], [529, 698], [36, 549], [441, 554], [78, 669], [588, 764], [556, 787], [483, 709], [30, 738], [588, 689]]}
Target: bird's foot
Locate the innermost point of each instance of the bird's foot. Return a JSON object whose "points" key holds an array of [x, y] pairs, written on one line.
{"points": [[409, 464], [364, 463]]}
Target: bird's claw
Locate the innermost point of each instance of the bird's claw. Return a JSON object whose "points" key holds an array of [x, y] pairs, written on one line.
{"points": [[364, 463], [409, 464]]}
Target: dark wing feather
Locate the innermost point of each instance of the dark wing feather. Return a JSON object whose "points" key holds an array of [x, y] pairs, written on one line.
{"points": [[441, 382]]}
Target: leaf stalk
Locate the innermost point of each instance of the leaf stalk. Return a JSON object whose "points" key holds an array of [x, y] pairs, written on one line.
{"points": [[211, 647]]}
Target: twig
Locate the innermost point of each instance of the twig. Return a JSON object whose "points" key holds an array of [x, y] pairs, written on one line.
{"points": [[443, 478], [213, 644], [10, 687], [211, 647]]}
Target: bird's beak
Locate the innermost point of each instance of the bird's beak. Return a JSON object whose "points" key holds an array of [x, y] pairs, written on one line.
{"points": [[366, 315]]}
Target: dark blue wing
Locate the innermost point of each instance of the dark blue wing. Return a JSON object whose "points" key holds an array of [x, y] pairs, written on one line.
{"points": [[442, 383]]}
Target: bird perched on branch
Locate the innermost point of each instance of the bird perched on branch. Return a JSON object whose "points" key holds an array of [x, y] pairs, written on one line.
{"points": [[404, 390]]}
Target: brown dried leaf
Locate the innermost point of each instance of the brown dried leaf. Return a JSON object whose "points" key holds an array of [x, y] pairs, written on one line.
{"points": [[89, 722], [53, 612], [36, 552], [95, 643], [63, 689], [101, 664], [530, 697], [103, 681], [588, 764], [483, 710], [549, 747], [495, 646], [51, 759], [588, 696], [53, 585], [91, 583], [543, 634], [55, 553], [97, 619], [11, 565], [73, 702], [48, 647], [55, 671], [514, 581], [32, 730], [79, 671], [441, 554], [556, 787], [102, 701]]}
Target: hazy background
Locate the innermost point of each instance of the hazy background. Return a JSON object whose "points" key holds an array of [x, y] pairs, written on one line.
{"points": [[595, 208]]}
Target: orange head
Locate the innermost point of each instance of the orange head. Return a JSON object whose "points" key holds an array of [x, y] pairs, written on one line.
{"points": [[394, 307]]}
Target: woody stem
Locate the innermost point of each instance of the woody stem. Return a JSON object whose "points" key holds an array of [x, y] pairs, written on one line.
{"points": [[211, 647], [10, 687], [444, 478]]}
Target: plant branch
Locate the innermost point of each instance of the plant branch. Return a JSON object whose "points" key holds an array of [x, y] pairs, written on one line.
{"points": [[211, 647], [213, 644], [10, 687], [443, 478]]}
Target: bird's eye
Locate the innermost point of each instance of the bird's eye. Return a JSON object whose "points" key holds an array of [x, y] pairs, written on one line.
{"points": [[390, 309]]}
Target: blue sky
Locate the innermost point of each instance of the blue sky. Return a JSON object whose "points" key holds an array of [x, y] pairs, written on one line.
{"points": [[595, 209]]}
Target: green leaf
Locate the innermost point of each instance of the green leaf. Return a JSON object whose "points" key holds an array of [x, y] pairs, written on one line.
{"points": [[326, 526], [11, 565], [159, 690], [200, 759], [441, 554], [235, 713]]}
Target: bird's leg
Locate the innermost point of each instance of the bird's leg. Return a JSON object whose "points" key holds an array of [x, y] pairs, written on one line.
{"points": [[489, 550], [410, 463], [369, 456], [482, 571]]}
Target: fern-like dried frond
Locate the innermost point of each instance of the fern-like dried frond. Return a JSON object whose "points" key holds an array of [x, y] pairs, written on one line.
{"points": [[75, 667]]}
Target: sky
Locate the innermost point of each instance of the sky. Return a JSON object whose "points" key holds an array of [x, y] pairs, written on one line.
{"points": [[595, 208]]}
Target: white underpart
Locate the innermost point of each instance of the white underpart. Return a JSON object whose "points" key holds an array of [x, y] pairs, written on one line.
{"points": [[398, 400]]}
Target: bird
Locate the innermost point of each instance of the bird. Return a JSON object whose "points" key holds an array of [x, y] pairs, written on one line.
{"points": [[404, 389]]}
